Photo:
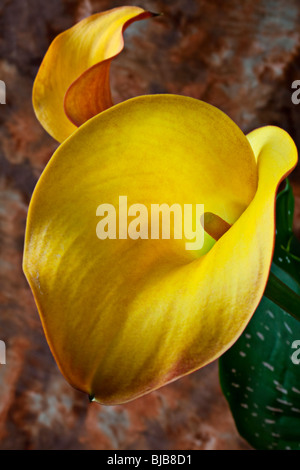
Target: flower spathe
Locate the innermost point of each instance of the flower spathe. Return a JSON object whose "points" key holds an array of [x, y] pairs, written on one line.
{"points": [[125, 317], [72, 84]]}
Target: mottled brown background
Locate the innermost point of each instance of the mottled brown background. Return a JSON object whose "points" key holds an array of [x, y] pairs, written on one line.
{"points": [[241, 56]]}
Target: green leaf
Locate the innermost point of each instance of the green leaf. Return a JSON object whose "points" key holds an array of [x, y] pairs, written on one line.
{"points": [[260, 374], [285, 205], [261, 382], [279, 292]]}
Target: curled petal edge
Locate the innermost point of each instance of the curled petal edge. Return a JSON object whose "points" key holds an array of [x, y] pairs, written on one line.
{"points": [[72, 84]]}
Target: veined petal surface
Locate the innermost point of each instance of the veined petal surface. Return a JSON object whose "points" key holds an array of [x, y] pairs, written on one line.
{"points": [[124, 317]]}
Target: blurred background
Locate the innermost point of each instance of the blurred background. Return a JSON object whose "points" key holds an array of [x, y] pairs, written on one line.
{"points": [[241, 56]]}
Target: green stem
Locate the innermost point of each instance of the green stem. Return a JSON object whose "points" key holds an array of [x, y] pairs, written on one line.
{"points": [[283, 296]]}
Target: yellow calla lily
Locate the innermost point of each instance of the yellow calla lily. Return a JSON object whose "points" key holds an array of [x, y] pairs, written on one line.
{"points": [[72, 84], [126, 316]]}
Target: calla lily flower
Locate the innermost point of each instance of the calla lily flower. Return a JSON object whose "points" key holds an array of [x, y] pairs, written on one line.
{"points": [[124, 317], [72, 84]]}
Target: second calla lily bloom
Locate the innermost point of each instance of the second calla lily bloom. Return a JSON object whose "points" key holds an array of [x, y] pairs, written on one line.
{"points": [[72, 84], [124, 317]]}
